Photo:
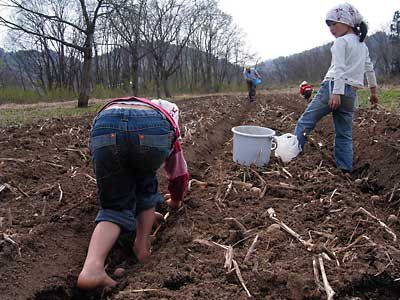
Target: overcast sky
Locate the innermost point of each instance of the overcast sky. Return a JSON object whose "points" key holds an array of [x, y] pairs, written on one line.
{"points": [[282, 27], [276, 28]]}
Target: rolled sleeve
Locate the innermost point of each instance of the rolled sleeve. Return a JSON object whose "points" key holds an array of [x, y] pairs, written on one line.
{"points": [[369, 71]]}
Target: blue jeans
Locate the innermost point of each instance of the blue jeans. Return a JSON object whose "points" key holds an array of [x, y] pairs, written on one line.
{"points": [[342, 119], [252, 89], [128, 146]]}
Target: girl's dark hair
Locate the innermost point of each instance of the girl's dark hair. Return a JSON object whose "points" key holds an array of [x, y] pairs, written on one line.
{"points": [[361, 30]]}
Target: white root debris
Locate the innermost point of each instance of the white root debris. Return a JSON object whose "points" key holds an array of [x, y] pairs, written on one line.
{"points": [[287, 172], [77, 150], [316, 275], [91, 179], [328, 289], [61, 193], [228, 190], [159, 226], [239, 275], [199, 183], [393, 192], [251, 249], [7, 238], [228, 258], [390, 231], [229, 261], [264, 184], [246, 185], [356, 241], [309, 246], [237, 224], [331, 197], [12, 159], [4, 186], [127, 292]]}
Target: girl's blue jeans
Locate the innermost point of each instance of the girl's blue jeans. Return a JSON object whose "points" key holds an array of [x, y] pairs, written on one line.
{"points": [[128, 146], [342, 119]]}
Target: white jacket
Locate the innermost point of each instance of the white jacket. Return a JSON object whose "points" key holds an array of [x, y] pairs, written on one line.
{"points": [[350, 60]]}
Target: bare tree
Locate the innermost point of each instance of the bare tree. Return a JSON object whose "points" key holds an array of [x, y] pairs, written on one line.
{"points": [[395, 38], [146, 44], [127, 21], [167, 31], [381, 52], [38, 18], [215, 42]]}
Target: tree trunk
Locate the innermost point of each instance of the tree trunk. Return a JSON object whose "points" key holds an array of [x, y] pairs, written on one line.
{"points": [[83, 99], [135, 74], [158, 85], [165, 85]]}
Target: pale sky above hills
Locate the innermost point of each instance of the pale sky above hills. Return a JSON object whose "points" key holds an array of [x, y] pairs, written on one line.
{"points": [[276, 28], [282, 27]]}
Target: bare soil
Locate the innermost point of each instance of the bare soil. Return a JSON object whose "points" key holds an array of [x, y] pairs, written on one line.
{"points": [[48, 204]]}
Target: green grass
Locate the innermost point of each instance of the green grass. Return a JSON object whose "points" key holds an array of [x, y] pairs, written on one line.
{"points": [[389, 98], [16, 115], [20, 116], [21, 96]]}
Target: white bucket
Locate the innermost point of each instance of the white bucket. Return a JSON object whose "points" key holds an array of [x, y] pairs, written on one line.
{"points": [[252, 145]]}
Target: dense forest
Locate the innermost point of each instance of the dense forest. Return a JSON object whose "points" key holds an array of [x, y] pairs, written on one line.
{"points": [[156, 47], [139, 46]]}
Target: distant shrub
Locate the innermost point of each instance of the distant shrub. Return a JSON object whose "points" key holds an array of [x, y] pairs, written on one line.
{"points": [[11, 94]]}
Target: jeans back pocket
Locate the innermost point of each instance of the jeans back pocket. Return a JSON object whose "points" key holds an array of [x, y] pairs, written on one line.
{"points": [[154, 149], [105, 156], [161, 142]]}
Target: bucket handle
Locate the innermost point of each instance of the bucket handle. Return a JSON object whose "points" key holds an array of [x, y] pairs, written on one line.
{"points": [[274, 144]]}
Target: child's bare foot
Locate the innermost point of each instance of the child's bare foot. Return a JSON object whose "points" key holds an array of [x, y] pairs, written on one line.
{"points": [[94, 279]]}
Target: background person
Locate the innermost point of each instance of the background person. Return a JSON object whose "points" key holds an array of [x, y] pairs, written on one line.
{"points": [[337, 95], [306, 90], [251, 74], [130, 139]]}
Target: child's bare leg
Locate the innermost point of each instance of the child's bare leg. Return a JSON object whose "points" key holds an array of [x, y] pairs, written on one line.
{"points": [[93, 274], [144, 225], [158, 218]]}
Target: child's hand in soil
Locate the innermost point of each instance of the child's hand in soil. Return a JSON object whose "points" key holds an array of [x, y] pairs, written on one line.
{"points": [[171, 203]]}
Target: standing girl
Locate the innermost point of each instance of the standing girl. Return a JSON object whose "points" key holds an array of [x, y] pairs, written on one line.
{"points": [[337, 95]]}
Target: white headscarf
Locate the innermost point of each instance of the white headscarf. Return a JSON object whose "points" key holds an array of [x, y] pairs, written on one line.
{"points": [[303, 83], [345, 13], [170, 107]]}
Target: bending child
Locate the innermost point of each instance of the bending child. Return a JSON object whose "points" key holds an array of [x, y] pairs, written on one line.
{"points": [[338, 92], [130, 139], [306, 90]]}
